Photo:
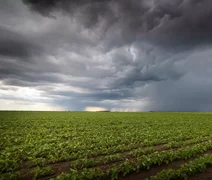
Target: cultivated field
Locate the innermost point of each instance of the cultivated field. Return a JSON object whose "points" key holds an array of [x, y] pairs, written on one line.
{"points": [[105, 145]]}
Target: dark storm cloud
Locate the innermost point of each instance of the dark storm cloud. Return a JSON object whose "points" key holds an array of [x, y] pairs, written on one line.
{"points": [[95, 95], [179, 21], [13, 44], [89, 12], [139, 54], [31, 79], [147, 73], [189, 94]]}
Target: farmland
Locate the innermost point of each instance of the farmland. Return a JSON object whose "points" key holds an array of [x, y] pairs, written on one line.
{"points": [[105, 145]]}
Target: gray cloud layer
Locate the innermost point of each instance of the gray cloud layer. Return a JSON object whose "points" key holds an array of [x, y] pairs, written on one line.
{"points": [[188, 20], [124, 55]]}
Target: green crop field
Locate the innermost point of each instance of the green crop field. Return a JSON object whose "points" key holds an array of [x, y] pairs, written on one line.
{"points": [[105, 145]]}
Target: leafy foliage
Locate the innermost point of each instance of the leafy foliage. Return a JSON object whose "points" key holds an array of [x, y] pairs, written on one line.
{"points": [[98, 145]]}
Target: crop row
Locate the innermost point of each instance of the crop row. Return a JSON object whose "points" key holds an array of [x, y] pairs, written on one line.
{"points": [[144, 162], [187, 170], [107, 155], [103, 160]]}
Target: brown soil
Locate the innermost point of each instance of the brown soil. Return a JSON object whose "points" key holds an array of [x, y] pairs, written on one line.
{"points": [[58, 168], [153, 171], [207, 175]]}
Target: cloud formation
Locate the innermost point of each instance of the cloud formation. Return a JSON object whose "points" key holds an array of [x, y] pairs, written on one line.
{"points": [[156, 18], [121, 55]]}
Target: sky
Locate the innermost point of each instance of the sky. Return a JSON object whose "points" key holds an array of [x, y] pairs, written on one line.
{"points": [[120, 55]]}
